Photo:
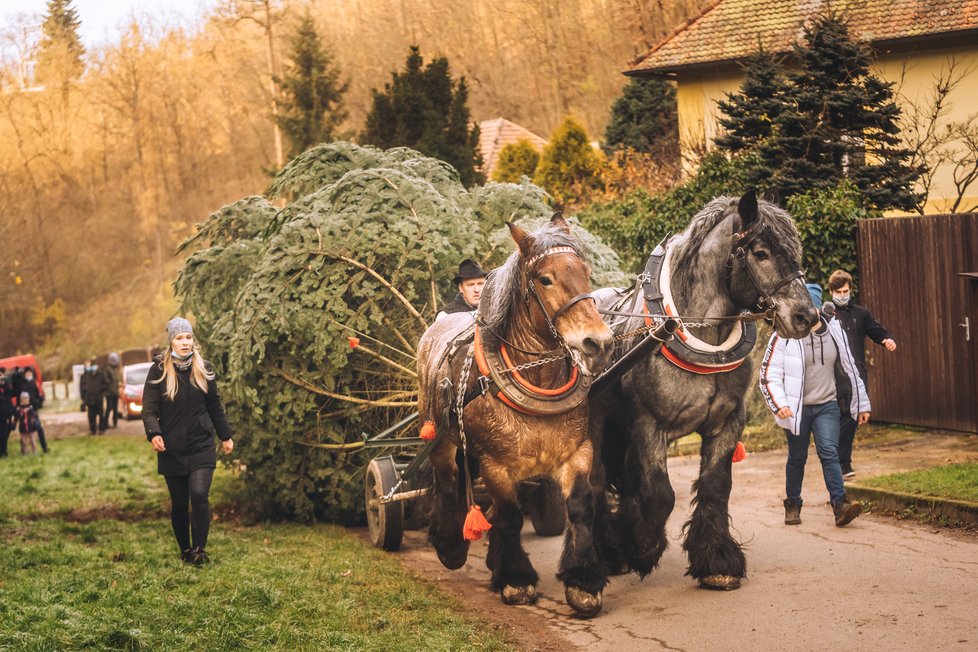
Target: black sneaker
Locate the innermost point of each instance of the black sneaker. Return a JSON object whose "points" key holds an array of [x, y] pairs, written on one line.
{"points": [[847, 472], [845, 511], [187, 556]]}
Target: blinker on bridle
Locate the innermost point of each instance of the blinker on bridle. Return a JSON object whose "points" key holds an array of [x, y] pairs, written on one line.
{"points": [[531, 289], [742, 241]]}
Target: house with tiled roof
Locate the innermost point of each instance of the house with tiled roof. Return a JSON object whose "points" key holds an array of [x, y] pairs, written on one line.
{"points": [[496, 134], [913, 41]]}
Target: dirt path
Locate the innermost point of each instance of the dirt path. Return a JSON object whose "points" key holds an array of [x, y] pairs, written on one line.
{"points": [[879, 584]]}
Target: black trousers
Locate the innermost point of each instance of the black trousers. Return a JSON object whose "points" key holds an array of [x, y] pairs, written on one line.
{"points": [[190, 511], [96, 418], [847, 435], [112, 411], [5, 429]]}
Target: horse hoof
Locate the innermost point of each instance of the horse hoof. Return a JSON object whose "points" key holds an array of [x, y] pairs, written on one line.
{"points": [[720, 582], [584, 603], [453, 560], [519, 594]]}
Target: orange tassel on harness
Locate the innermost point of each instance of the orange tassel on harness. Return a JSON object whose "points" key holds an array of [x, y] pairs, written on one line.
{"points": [[354, 342], [428, 430], [740, 453], [475, 524]]}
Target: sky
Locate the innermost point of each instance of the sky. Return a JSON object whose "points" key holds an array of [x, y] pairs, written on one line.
{"points": [[101, 20]]}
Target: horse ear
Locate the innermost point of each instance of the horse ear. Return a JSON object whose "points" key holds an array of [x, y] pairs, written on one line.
{"points": [[747, 208], [558, 220], [520, 237], [772, 195]]}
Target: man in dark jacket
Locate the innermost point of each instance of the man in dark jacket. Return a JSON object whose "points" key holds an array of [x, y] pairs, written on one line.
{"points": [[93, 396], [7, 410], [469, 281], [858, 324], [113, 378]]}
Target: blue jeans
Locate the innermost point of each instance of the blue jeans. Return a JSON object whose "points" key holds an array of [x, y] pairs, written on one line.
{"points": [[822, 421]]}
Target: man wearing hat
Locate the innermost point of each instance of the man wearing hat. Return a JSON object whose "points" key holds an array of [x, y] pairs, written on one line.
{"points": [[469, 281]]}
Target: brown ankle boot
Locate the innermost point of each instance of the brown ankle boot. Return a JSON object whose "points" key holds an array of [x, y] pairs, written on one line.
{"points": [[792, 513], [846, 510]]}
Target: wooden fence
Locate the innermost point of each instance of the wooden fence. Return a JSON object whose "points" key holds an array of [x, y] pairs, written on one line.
{"points": [[919, 276]]}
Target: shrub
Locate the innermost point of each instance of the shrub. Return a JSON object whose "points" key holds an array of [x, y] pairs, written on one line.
{"points": [[516, 160]]}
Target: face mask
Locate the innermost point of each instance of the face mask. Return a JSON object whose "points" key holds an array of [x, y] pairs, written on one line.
{"points": [[840, 300], [181, 358], [91, 368]]}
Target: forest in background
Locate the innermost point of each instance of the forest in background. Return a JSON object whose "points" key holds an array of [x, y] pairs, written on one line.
{"points": [[105, 169]]}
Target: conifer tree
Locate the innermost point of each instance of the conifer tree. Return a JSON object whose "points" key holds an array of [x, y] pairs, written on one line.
{"points": [[749, 114], [838, 121], [60, 51], [312, 93], [516, 160], [644, 118], [569, 166], [424, 109]]}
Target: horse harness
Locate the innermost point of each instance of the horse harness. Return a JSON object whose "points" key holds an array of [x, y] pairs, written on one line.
{"points": [[685, 350], [497, 371]]}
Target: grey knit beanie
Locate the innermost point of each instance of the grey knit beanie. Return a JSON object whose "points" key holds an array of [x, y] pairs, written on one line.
{"points": [[176, 326]]}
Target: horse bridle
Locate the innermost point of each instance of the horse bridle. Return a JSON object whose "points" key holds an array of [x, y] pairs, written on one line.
{"points": [[570, 303], [742, 240]]}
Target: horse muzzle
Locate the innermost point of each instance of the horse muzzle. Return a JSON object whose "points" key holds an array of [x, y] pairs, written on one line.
{"points": [[593, 350]]}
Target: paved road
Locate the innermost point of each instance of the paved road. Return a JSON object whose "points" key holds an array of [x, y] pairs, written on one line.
{"points": [[878, 584]]}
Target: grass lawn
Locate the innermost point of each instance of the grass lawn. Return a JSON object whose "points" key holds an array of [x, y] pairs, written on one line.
{"points": [[117, 583], [954, 481]]}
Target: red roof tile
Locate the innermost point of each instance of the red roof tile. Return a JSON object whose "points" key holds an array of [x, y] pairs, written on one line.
{"points": [[496, 134], [729, 30]]}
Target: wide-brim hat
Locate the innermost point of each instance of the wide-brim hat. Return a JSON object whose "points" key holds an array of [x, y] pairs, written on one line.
{"points": [[467, 269]]}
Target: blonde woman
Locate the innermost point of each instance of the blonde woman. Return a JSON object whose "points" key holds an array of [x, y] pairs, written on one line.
{"points": [[182, 413]]}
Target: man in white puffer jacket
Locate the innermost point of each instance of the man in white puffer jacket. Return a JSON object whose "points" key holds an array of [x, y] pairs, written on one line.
{"points": [[802, 382]]}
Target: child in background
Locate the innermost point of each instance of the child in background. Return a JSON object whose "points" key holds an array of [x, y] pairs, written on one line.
{"points": [[27, 422]]}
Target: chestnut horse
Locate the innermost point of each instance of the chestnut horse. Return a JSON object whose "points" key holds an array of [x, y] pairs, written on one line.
{"points": [[529, 421]]}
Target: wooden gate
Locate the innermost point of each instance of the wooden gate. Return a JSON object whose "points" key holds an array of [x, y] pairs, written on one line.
{"points": [[919, 276]]}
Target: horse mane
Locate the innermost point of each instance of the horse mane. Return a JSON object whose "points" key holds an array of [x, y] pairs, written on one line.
{"points": [[504, 288], [780, 234]]}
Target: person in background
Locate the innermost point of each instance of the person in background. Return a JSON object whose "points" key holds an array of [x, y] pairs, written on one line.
{"points": [[801, 381], [29, 385], [469, 281], [92, 386], [26, 424], [113, 380], [8, 411], [182, 413], [858, 324]]}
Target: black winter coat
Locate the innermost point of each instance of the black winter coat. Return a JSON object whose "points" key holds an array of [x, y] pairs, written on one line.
{"points": [[92, 387], [457, 305], [188, 424], [859, 323]]}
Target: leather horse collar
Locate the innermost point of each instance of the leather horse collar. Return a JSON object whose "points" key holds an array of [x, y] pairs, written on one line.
{"points": [[685, 350]]}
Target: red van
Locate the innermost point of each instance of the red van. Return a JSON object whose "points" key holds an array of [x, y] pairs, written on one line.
{"points": [[23, 361]]}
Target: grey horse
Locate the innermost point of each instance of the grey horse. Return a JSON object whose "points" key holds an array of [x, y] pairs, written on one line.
{"points": [[735, 256]]}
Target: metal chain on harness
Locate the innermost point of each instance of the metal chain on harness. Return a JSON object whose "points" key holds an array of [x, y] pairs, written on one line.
{"points": [[459, 406]]}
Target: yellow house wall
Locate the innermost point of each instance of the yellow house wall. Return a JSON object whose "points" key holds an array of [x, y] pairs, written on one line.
{"points": [[914, 74]]}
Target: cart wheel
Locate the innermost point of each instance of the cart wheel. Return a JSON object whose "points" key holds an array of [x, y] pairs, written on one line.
{"points": [[545, 503], [386, 522]]}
